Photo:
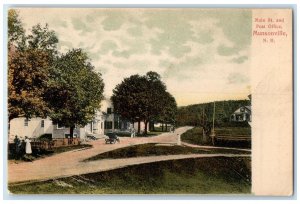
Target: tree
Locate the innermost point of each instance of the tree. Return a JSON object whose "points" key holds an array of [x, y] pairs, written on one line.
{"points": [[140, 98], [28, 68], [42, 38], [169, 110], [16, 32], [75, 90], [27, 80], [127, 97]]}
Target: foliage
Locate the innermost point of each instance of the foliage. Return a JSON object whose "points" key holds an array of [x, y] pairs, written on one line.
{"points": [[75, 90], [194, 136], [193, 114], [27, 81], [16, 32], [29, 62], [144, 98]]}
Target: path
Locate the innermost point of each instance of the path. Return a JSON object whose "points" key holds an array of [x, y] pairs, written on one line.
{"points": [[70, 163]]}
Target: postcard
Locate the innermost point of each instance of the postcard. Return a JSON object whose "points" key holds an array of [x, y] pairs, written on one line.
{"points": [[175, 101]]}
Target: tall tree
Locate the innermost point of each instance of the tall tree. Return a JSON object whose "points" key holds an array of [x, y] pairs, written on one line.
{"points": [[168, 113], [127, 98], [28, 69], [140, 98], [75, 90], [27, 80]]}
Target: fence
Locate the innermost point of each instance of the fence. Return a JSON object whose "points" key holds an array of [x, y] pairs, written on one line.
{"points": [[49, 144]]}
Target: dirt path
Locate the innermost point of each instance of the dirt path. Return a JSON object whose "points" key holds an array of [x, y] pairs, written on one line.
{"points": [[69, 163]]}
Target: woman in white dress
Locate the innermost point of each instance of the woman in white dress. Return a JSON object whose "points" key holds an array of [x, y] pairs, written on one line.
{"points": [[28, 149]]}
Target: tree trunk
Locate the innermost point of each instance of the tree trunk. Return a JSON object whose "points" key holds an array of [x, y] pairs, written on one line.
{"points": [[162, 127], [70, 141], [139, 127], [146, 125], [166, 127], [71, 131]]}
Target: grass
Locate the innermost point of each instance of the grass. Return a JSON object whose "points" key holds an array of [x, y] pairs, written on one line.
{"points": [[234, 131], [218, 175], [194, 136], [152, 149]]}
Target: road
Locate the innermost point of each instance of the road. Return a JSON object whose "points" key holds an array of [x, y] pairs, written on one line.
{"points": [[70, 163]]}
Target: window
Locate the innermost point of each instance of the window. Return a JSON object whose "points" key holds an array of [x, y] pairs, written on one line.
{"points": [[26, 122], [116, 125], [42, 123], [108, 125], [108, 110]]}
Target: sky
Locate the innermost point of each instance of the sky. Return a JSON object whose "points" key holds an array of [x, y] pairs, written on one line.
{"points": [[202, 55]]}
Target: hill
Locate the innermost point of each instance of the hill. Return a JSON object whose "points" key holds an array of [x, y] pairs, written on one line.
{"points": [[193, 114]]}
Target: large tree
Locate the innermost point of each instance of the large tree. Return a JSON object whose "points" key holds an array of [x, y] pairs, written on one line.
{"points": [[169, 111], [75, 90], [28, 68], [127, 98], [140, 98]]}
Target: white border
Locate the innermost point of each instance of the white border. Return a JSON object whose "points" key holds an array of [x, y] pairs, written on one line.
{"points": [[66, 3]]}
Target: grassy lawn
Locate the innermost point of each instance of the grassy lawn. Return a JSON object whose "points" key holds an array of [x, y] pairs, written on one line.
{"points": [[153, 149], [234, 131], [194, 136], [218, 175]]}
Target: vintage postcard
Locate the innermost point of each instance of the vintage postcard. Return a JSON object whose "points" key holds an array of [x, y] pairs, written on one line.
{"points": [[150, 101]]}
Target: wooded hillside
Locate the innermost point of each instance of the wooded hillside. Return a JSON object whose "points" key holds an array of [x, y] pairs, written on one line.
{"points": [[193, 114]]}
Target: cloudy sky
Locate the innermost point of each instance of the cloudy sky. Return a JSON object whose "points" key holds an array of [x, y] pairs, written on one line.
{"points": [[202, 55]]}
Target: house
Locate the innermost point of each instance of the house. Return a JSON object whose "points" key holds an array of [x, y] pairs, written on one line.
{"points": [[33, 127], [104, 121], [241, 114]]}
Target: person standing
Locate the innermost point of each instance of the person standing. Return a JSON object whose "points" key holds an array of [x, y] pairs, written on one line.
{"points": [[28, 149], [17, 147]]}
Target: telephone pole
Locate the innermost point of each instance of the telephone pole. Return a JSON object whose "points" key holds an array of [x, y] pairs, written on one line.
{"points": [[213, 130]]}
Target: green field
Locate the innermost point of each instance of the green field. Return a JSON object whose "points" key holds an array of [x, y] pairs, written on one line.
{"points": [[194, 136], [152, 149], [218, 175]]}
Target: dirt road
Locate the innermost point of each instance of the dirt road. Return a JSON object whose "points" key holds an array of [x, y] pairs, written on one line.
{"points": [[70, 163]]}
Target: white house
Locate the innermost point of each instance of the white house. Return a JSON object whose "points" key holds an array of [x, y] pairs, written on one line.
{"points": [[104, 121], [33, 127], [242, 114]]}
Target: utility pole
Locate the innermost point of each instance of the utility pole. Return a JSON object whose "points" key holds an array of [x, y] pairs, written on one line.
{"points": [[203, 124], [213, 130]]}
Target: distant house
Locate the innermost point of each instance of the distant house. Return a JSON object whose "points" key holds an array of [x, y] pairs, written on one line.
{"points": [[242, 114]]}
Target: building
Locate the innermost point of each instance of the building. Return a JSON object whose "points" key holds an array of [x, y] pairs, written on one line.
{"points": [[104, 121], [241, 114], [33, 127]]}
